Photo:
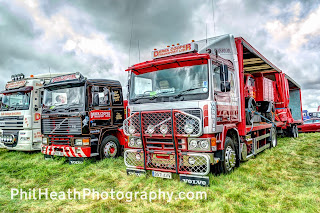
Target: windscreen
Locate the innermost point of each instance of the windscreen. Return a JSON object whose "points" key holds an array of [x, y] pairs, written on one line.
{"points": [[174, 82], [15, 101], [63, 97]]}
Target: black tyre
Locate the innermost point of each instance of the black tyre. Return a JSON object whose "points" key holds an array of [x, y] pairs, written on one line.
{"points": [[295, 131], [110, 147], [230, 156], [273, 137]]}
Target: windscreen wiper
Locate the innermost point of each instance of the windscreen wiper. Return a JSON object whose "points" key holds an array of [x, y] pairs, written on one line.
{"points": [[157, 95], [187, 90]]}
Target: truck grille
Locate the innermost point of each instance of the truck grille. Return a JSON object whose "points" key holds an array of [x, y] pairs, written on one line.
{"points": [[59, 140], [62, 126], [11, 122], [161, 161], [161, 144], [154, 123], [194, 112]]}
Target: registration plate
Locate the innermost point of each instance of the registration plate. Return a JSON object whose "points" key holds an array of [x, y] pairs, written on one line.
{"points": [[166, 175], [58, 153]]}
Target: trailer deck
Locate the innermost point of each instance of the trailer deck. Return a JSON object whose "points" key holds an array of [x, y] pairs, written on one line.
{"points": [[262, 125]]}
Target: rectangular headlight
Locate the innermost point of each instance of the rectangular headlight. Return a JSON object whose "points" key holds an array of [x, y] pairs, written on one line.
{"points": [[135, 142], [199, 144], [44, 140], [78, 142]]}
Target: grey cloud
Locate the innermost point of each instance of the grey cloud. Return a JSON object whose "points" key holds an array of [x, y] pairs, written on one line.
{"points": [[153, 21]]}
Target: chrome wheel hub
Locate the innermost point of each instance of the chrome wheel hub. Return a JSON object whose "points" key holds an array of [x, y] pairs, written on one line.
{"points": [[230, 158], [110, 150]]}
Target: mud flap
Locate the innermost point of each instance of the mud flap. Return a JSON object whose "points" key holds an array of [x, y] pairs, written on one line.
{"points": [[195, 180], [136, 172], [48, 157], [73, 160]]}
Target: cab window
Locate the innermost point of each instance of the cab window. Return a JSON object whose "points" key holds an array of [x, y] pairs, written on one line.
{"points": [[217, 81]]}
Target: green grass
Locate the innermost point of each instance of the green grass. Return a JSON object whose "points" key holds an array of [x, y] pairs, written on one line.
{"points": [[286, 178]]}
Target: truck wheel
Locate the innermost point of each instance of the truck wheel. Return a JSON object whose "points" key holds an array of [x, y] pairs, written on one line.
{"points": [[273, 137], [110, 147], [230, 156], [295, 131]]}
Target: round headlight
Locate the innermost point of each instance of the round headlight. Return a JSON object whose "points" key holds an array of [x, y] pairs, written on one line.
{"points": [[191, 160], [188, 128], [138, 156], [193, 144], [131, 142], [204, 144], [150, 129], [139, 142], [132, 129], [164, 129]]}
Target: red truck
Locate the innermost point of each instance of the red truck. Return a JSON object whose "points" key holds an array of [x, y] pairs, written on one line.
{"points": [[206, 106], [82, 118]]}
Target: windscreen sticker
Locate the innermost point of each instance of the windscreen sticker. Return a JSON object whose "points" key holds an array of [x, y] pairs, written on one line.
{"points": [[153, 93], [168, 90], [59, 99], [205, 84]]}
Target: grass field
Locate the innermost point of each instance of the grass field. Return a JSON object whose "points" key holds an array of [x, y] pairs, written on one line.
{"points": [[286, 178]]}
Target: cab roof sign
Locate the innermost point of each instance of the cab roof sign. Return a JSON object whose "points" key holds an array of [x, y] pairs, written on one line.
{"points": [[68, 77], [15, 84], [175, 50]]}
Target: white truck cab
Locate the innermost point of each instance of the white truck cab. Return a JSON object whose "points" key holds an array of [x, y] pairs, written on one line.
{"points": [[20, 112]]}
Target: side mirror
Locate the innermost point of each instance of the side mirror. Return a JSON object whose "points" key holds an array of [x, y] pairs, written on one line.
{"points": [[225, 86], [95, 99], [224, 73]]}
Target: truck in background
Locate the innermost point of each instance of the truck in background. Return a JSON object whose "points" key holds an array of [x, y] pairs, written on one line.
{"points": [[1, 143], [82, 118], [305, 114], [206, 105], [314, 115], [20, 112]]}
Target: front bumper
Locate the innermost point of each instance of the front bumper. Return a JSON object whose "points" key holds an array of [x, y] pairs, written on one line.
{"points": [[26, 140], [66, 151], [188, 163], [2, 146]]}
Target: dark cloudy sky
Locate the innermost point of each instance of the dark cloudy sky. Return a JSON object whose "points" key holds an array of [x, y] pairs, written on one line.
{"points": [[93, 37]]}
